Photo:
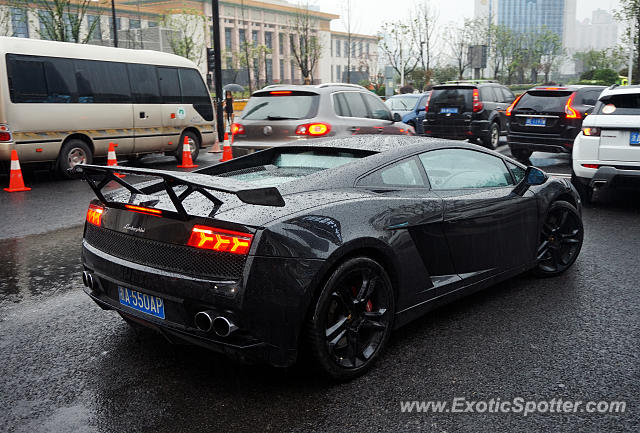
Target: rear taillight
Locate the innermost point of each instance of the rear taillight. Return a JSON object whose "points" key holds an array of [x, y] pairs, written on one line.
{"points": [[426, 107], [94, 214], [225, 241], [237, 129], [5, 133], [591, 132], [513, 105], [591, 165], [477, 103], [569, 110], [314, 129], [143, 210], [281, 92]]}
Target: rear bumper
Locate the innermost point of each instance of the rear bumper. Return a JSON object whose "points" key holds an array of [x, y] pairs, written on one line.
{"points": [[540, 143], [242, 147], [268, 303], [608, 176], [456, 129]]}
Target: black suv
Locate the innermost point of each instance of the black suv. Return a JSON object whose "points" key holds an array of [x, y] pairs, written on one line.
{"points": [[472, 110], [548, 119]]}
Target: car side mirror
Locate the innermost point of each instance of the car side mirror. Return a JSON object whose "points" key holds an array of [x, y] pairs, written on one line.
{"points": [[532, 176], [396, 117], [419, 109]]}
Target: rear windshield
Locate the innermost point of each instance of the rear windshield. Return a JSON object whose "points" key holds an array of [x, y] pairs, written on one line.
{"points": [[287, 166], [402, 103], [294, 105], [543, 101], [624, 104], [455, 97]]}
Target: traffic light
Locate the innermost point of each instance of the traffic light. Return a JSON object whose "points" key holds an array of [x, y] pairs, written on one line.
{"points": [[211, 56]]}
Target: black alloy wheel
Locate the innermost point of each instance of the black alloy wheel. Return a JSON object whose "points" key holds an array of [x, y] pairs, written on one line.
{"points": [[352, 319], [560, 239]]}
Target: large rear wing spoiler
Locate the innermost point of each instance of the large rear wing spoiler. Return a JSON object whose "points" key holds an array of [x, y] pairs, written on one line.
{"points": [[99, 176]]}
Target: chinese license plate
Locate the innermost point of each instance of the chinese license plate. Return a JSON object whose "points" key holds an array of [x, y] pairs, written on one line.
{"points": [[535, 121], [634, 139], [147, 304], [450, 110]]}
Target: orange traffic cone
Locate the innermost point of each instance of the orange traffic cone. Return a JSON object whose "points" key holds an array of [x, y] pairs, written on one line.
{"points": [[16, 183], [186, 155], [227, 155], [216, 146], [111, 159]]}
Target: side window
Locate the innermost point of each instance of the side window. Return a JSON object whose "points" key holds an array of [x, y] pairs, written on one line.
{"points": [[61, 87], [507, 95], [193, 89], [355, 104], [102, 82], [487, 95], [517, 171], [144, 84], [403, 174], [464, 168], [376, 107], [590, 97], [26, 79], [169, 85], [340, 105]]}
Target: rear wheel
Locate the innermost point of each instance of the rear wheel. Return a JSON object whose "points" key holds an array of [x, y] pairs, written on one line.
{"points": [[352, 319], [194, 146], [560, 240], [492, 140], [72, 153], [521, 155]]}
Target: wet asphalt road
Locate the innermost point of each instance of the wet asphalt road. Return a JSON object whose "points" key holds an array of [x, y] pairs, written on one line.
{"points": [[66, 365]]}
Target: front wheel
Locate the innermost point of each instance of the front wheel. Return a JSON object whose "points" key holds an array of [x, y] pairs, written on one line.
{"points": [[560, 239], [72, 153], [352, 319], [194, 146]]}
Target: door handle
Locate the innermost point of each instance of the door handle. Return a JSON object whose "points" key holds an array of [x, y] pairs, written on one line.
{"points": [[354, 129], [142, 115]]}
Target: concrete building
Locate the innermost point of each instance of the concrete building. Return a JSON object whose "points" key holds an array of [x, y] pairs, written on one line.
{"points": [[267, 28], [598, 33], [355, 61]]}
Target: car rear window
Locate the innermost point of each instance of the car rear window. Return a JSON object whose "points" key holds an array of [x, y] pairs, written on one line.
{"points": [[451, 97], [402, 103], [291, 165], [281, 105], [548, 101], [621, 104]]}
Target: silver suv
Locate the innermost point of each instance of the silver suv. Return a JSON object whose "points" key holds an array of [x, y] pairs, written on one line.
{"points": [[283, 113]]}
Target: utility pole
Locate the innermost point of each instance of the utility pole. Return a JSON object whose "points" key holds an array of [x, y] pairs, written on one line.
{"points": [[217, 68], [115, 25]]}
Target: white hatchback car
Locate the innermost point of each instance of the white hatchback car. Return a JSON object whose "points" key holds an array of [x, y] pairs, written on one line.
{"points": [[607, 151]]}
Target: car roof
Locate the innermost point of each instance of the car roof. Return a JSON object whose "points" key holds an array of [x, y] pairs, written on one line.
{"points": [[468, 84], [315, 88], [569, 87], [615, 89]]}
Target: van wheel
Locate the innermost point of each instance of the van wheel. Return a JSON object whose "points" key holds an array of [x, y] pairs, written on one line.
{"points": [[492, 140], [72, 153], [194, 145]]}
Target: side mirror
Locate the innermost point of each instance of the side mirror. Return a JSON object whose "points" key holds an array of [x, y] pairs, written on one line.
{"points": [[419, 110], [396, 117], [532, 176]]}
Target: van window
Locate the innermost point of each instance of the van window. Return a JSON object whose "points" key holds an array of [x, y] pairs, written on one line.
{"points": [[169, 85], [193, 89], [102, 82], [144, 84], [61, 87], [26, 80]]}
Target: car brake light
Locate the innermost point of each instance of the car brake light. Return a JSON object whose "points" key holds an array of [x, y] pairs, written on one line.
{"points": [[237, 129], [591, 132], [280, 92], [226, 241], [477, 103], [569, 110], [5, 133], [426, 107], [94, 214], [144, 210], [513, 105], [591, 165], [314, 129]]}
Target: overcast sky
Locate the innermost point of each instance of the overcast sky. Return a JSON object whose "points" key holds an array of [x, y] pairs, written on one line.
{"points": [[368, 15]]}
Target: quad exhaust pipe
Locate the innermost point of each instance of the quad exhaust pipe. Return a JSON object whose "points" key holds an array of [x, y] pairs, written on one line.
{"points": [[88, 280], [220, 325]]}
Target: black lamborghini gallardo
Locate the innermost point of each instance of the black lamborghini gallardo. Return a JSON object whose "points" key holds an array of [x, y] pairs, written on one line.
{"points": [[324, 247]]}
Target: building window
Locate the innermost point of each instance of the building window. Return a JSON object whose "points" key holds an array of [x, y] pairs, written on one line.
{"points": [[291, 44], [118, 25], [281, 70], [360, 51], [338, 45], [268, 40], [242, 36], [338, 77], [227, 38], [254, 36], [352, 53], [367, 48], [346, 49], [293, 70], [93, 22], [19, 23], [151, 24], [269, 72], [281, 45], [46, 24], [134, 24]]}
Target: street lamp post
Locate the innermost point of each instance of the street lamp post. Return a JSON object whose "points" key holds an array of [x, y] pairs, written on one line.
{"points": [[217, 67], [115, 26]]}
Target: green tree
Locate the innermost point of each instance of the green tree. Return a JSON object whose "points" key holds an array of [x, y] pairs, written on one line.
{"points": [[550, 47], [398, 48], [187, 38], [306, 48]]}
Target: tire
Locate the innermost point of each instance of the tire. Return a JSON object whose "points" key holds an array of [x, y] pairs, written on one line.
{"points": [[560, 240], [492, 140], [521, 155], [72, 153], [194, 143], [584, 191], [348, 311]]}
